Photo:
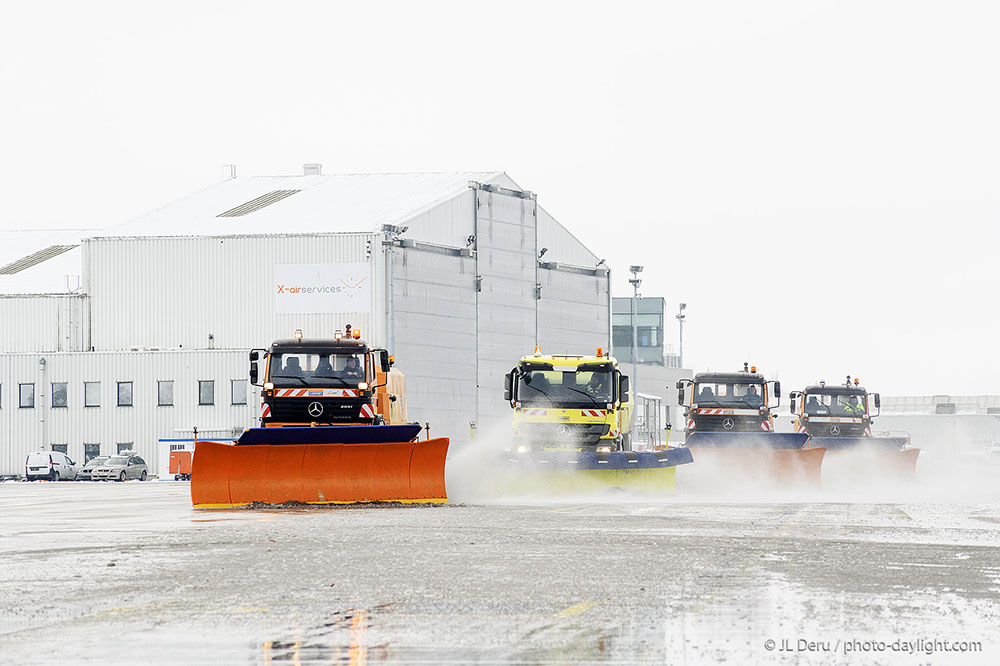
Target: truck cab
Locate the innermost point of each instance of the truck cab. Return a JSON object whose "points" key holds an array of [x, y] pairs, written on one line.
{"points": [[326, 381], [570, 402], [729, 401], [835, 411]]}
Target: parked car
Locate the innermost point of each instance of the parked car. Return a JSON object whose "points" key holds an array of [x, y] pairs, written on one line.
{"points": [[83, 474], [119, 468], [50, 465]]}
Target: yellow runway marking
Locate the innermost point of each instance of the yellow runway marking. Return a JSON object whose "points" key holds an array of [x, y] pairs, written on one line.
{"points": [[576, 609]]}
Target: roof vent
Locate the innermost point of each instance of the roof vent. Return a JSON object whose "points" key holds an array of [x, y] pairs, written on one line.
{"points": [[258, 203], [312, 169]]}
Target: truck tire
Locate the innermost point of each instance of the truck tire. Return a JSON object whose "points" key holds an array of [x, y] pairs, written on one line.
{"points": [[627, 442]]}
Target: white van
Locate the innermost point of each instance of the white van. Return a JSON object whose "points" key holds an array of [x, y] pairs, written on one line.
{"points": [[50, 465]]}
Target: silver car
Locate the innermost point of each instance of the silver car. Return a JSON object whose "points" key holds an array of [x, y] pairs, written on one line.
{"points": [[120, 468], [83, 474]]}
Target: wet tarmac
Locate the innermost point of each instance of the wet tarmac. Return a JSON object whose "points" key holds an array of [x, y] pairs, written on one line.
{"points": [[99, 573]]}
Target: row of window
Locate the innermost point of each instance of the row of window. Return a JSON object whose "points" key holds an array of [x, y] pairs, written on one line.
{"points": [[93, 450], [164, 393]]}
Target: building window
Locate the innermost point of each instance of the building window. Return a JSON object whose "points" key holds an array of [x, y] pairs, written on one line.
{"points": [[92, 394], [239, 391], [90, 451], [124, 394], [61, 448], [124, 447], [165, 393], [59, 393], [26, 396], [206, 392]]}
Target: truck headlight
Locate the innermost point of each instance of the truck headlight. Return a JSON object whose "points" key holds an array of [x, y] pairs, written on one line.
{"points": [[604, 449], [522, 449]]}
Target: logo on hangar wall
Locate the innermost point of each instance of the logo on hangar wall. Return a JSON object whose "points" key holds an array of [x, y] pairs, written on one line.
{"points": [[322, 288]]}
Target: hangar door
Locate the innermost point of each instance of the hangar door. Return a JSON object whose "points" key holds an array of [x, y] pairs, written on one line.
{"points": [[506, 270]]}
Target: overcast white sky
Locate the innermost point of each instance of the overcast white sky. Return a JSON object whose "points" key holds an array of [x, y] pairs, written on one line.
{"points": [[818, 181]]}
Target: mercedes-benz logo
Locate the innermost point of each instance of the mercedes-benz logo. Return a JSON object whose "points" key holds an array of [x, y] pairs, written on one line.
{"points": [[563, 431], [728, 423], [835, 429], [315, 409]]}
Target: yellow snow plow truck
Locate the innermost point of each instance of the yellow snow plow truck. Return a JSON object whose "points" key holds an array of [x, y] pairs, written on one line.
{"points": [[570, 402], [572, 430]]}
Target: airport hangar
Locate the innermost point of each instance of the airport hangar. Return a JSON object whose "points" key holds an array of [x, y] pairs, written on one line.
{"points": [[118, 339]]}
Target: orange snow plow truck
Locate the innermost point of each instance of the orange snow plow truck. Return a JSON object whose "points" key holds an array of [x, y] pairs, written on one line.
{"points": [[333, 430]]}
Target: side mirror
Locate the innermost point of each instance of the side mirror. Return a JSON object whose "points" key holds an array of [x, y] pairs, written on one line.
{"points": [[384, 360], [623, 388], [777, 389], [508, 382], [254, 355], [791, 400], [680, 384], [680, 395], [878, 401], [253, 373]]}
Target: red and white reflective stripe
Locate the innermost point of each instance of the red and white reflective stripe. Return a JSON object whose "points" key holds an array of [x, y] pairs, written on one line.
{"points": [[265, 410], [613, 433], [709, 411], [315, 393], [534, 412], [868, 431], [690, 424], [764, 425], [801, 428], [592, 412], [367, 411]]}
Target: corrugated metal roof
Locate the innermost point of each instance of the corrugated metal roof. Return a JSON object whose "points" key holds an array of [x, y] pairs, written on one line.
{"points": [[41, 262], [323, 204]]}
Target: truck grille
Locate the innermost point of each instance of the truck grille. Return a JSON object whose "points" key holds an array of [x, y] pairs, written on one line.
{"points": [[296, 410], [714, 423], [577, 434]]}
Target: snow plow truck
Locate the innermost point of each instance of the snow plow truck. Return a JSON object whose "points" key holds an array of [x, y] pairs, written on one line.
{"points": [[333, 430], [572, 429], [839, 419], [730, 429]]}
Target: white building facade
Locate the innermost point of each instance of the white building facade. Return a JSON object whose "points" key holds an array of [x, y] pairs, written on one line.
{"points": [[446, 270]]}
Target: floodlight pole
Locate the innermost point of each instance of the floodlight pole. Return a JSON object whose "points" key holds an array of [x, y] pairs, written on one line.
{"points": [[680, 323], [635, 282]]}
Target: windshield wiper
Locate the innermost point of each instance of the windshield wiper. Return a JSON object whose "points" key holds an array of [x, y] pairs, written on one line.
{"points": [[290, 377], [592, 398]]}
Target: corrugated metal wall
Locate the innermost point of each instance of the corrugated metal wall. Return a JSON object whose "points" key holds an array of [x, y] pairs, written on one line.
{"points": [[44, 323], [506, 307], [142, 424], [174, 292], [435, 337], [573, 314]]}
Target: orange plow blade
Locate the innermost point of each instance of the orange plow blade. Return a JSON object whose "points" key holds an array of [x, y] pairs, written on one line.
{"points": [[769, 467], [227, 475]]}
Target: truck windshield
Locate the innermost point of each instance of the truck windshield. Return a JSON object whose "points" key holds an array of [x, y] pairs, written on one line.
{"points": [[719, 394], [552, 387], [827, 403], [316, 370]]}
